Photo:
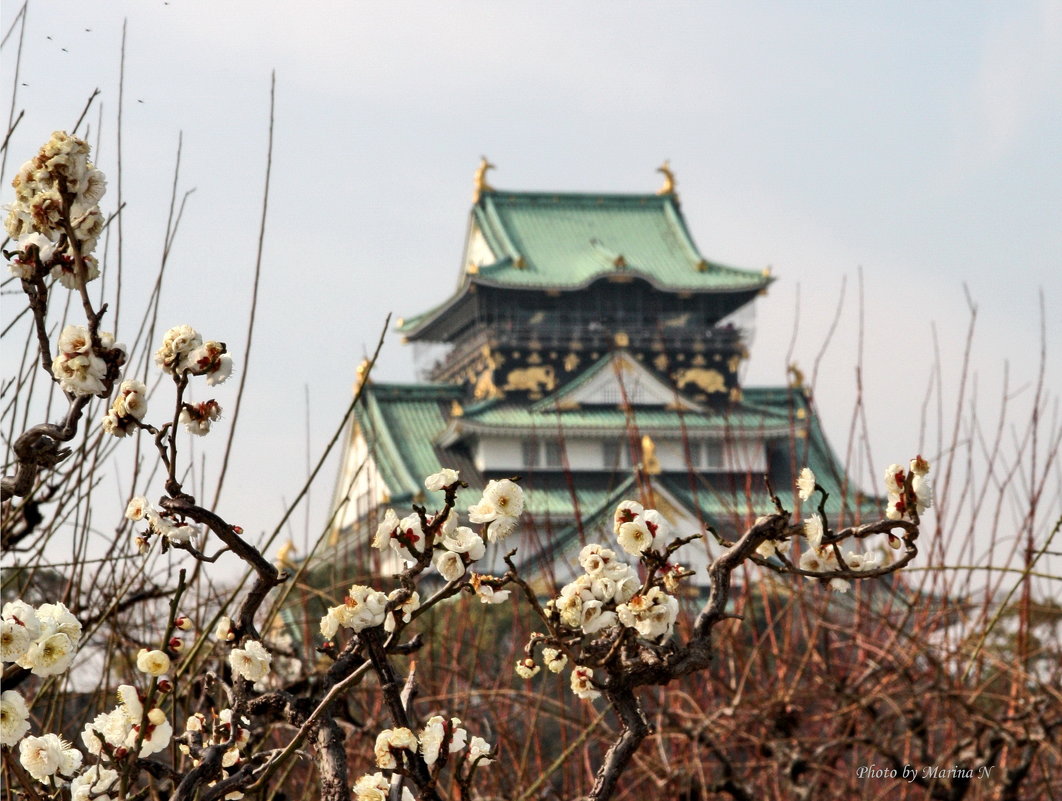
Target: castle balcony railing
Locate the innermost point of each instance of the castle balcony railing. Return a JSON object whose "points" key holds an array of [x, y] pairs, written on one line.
{"points": [[585, 335]]}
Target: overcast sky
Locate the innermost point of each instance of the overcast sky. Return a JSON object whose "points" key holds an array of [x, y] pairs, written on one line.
{"points": [[920, 142]]}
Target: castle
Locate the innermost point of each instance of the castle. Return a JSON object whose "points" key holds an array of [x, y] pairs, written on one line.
{"points": [[591, 349]]}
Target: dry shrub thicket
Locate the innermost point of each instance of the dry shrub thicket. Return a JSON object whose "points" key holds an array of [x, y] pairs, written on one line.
{"points": [[933, 681]]}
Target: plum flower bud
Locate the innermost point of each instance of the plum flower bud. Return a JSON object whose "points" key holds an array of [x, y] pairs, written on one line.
{"points": [[175, 644], [182, 622]]}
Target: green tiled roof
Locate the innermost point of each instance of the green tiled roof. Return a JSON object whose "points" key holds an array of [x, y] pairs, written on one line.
{"points": [[401, 423], [565, 241], [599, 419]]}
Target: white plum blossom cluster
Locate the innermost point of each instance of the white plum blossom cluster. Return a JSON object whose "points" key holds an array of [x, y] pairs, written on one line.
{"points": [[610, 595], [43, 640], [362, 608], [77, 367], [454, 547], [903, 504], [159, 522], [202, 731], [823, 559], [56, 196], [590, 603], [437, 733], [250, 662], [183, 351], [48, 755], [118, 731], [127, 409]]}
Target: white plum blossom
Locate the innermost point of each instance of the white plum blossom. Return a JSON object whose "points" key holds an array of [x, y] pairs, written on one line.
{"points": [[500, 507], [581, 683], [594, 617], [128, 408], [595, 557], [76, 366], [154, 663], [377, 787], [634, 536], [53, 631], [157, 733], [14, 717], [385, 530], [489, 595], [49, 656], [391, 741], [446, 477], [813, 530], [805, 484], [60, 173], [637, 528], [23, 265], [15, 640], [177, 343], [113, 727], [813, 561], [209, 359], [657, 524], [434, 732], [251, 662], [464, 540], [47, 755], [140, 509], [479, 752], [626, 512], [526, 668], [404, 610], [555, 659], [95, 784], [197, 417], [769, 548], [449, 564]]}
